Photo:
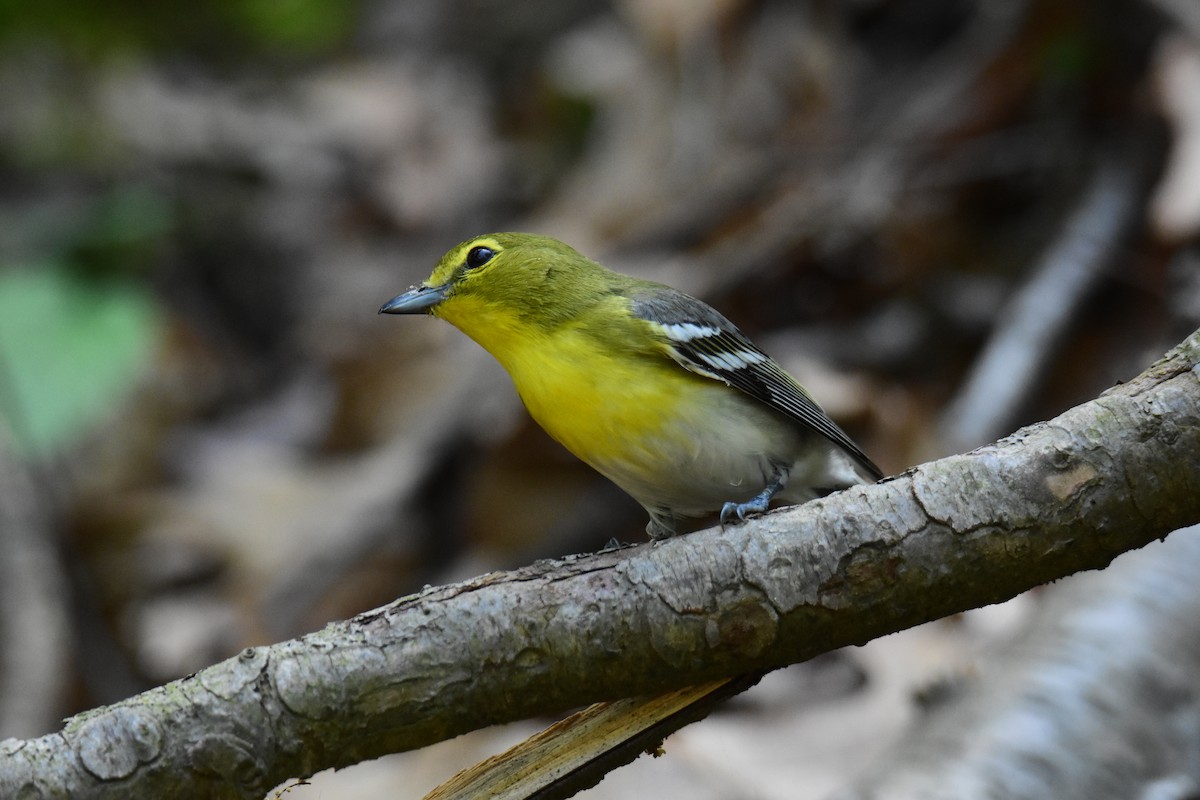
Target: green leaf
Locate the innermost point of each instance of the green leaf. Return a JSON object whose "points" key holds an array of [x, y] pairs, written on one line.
{"points": [[70, 351]]}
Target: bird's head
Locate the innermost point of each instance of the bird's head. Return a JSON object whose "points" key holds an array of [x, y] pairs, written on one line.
{"points": [[506, 279]]}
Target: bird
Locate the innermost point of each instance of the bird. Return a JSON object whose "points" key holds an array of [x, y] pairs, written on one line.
{"points": [[653, 388]]}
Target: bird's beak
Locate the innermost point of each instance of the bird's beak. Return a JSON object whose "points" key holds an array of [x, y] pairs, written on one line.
{"points": [[416, 300]]}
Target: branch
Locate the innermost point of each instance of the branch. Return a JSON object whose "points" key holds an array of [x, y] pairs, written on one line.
{"points": [[1055, 498]]}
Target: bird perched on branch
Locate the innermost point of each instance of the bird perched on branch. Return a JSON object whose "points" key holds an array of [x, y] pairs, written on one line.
{"points": [[653, 388]]}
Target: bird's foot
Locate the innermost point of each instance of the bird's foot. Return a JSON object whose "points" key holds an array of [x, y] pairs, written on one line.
{"points": [[737, 512]]}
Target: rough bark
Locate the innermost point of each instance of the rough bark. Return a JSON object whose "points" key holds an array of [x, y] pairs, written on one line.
{"points": [[1055, 498]]}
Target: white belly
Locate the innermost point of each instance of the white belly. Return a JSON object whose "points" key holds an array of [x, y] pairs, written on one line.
{"points": [[698, 465]]}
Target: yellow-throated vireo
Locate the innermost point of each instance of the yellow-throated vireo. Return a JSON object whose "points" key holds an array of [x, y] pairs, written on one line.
{"points": [[653, 388]]}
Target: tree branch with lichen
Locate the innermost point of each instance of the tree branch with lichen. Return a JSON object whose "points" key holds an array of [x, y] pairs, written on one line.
{"points": [[1052, 499]]}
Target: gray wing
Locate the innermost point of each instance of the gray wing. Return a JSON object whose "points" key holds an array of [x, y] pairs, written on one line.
{"points": [[703, 341]]}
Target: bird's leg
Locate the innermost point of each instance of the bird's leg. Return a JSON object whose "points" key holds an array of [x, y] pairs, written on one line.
{"points": [[732, 512], [661, 524]]}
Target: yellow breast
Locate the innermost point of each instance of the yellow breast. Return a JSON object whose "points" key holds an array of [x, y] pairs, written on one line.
{"points": [[601, 407], [601, 401]]}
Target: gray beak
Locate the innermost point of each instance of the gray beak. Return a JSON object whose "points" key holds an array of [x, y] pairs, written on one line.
{"points": [[416, 300]]}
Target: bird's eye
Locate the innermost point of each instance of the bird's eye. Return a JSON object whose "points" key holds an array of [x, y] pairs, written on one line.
{"points": [[478, 256]]}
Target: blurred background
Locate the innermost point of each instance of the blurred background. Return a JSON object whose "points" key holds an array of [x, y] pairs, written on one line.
{"points": [[946, 218]]}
